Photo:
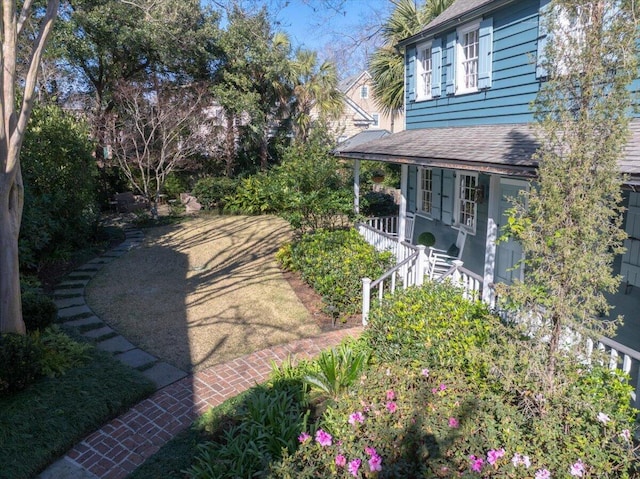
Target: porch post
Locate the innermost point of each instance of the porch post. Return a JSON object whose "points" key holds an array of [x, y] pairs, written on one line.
{"points": [[404, 183], [488, 291], [356, 187]]}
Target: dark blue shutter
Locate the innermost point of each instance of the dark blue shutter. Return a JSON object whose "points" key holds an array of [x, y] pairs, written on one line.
{"points": [[436, 65], [541, 57], [412, 189], [436, 209], [448, 196], [450, 64], [485, 53], [412, 69]]}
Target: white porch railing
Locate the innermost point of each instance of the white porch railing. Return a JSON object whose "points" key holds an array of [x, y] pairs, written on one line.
{"points": [[412, 267], [384, 224]]}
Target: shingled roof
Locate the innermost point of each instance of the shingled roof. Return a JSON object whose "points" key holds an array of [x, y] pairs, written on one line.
{"points": [[501, 149], [458, 12]]}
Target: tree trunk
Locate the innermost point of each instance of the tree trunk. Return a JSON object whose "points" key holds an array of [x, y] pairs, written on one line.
{"points": [[11, 203], [230, 144]]}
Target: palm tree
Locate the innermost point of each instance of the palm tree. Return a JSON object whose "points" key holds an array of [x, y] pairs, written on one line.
{"points": [[387, 63], [315, 90]]}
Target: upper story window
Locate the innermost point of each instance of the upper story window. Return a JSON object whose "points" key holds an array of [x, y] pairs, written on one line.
{"points": [[424, 72], [376, 119], [468, 59], [467, 67], [466, 206], [364, 91], [425, 191]]}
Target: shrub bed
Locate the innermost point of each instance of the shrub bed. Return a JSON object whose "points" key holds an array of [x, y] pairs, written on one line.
{"points": [[334, 263], [490, 415]]}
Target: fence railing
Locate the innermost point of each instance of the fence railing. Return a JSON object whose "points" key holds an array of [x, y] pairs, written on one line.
{"points": [[470, 282], [382, 241], [385, 224], [407, 273]]}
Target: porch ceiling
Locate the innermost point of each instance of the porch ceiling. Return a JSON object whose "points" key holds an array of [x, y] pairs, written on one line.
{"points": [[502, 149]]}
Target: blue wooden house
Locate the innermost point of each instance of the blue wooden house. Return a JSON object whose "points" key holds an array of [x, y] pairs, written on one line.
{"points": [[471, 75]]}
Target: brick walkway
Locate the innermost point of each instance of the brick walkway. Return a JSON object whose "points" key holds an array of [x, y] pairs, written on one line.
{"points": [[123, 444]]}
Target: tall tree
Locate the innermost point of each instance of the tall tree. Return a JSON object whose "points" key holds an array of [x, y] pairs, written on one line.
{"points": [[156, 129], [387, 63], [18, 95], [250, 83], [315, 93], [105, 42], [569, 224]]}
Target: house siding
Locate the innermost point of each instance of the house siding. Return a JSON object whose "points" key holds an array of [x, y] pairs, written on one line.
{"points": [[513, 87]]}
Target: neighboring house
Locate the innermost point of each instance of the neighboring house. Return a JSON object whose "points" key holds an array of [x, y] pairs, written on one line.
{"points": [[470, 77], [360, 109]]}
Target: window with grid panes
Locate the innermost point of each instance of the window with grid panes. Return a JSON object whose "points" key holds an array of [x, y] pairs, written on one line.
{"points": [[467, 71], [425, 72], [426, 190], [467, 208]]}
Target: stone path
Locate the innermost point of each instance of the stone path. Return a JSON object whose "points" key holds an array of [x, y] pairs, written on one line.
{"points": [[121, 445]]}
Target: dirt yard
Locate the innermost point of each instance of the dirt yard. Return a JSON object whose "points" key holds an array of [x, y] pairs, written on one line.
{"points": [[206, 291]]}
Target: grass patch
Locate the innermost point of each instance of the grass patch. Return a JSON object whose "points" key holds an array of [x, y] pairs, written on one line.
{"points": [[177, 455], [46, 419]]}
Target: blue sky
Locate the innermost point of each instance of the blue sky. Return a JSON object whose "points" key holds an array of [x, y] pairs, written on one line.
{"points": [[314, 23]]}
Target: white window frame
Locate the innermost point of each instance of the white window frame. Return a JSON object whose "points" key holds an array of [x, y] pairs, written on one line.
{"points": [[424, 71], [466, 202], [425, 194], [572, 41], [364, 92], [462, 77]]}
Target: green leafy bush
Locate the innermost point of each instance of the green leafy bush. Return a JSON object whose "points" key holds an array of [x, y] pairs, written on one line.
{"points": [[376, 203], [59, 352], [433, 323], [60, 209], [438, 422], [308, 189], [39, 311], [333, 263], [267, 425], [337, 370], [212, 192], [20, 358]]}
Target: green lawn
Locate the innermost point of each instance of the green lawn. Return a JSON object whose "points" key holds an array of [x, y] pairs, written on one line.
{"points": [[42, 422]]}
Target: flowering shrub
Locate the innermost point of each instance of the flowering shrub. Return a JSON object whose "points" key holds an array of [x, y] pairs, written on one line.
{"points": [[486, 415]]}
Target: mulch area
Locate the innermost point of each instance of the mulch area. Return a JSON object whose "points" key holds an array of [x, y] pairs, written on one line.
{"points": [[313, 302]]}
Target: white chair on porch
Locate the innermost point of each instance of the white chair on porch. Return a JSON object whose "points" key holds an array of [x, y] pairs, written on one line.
{"points": [[409, 223], [440, 260]]}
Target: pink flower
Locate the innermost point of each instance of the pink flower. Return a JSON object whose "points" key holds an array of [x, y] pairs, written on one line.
{"points": [[494, 455], [356, 417], [375, 463], [392, 406], [323, 438], [370, 451], [626, 435], [354, 466], [453, 422], [577, 469], [391, 395], [518, 459], [440, 388], [476, 463], [603, 418], [341, 461], [304, 437], [542, 474], [425, 372]]}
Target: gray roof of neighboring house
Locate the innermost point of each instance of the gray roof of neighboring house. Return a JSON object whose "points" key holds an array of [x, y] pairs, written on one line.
{"points": [[362, 137], [502, 149], [345, 84]]}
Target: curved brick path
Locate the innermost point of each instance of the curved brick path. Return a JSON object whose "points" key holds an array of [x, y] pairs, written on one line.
{"points": [[124, 443]]}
